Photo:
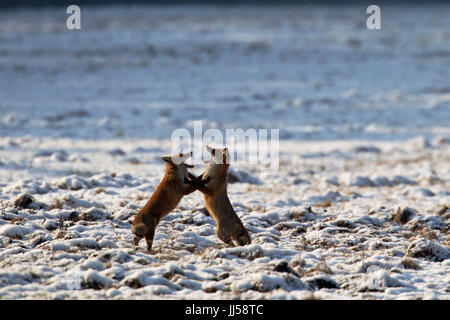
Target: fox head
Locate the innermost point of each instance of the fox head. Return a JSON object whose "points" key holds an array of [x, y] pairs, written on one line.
{"points": [[178, 160], [219, 156], [217, 168], [175, 164]]}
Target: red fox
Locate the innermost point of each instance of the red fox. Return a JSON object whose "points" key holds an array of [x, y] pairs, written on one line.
{"points": [[176, 183], [213, 184]]}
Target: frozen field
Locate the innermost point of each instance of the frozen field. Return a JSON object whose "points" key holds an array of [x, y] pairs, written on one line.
{"points": [[358, 210]]}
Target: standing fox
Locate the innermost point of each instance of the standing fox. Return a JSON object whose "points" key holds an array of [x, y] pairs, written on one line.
{"points": [[176, 183], [213, 185]]}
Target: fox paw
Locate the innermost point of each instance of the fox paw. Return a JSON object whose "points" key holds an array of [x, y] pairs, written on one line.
{"points": [[243, 238]]}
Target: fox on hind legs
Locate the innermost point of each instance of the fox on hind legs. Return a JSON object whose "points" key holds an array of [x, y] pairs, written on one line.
{"points": [[177, 182], [213, 184]]}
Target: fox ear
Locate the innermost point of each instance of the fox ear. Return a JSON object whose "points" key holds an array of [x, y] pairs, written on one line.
{"points": [[167, 159], [211, 150], [225, 156]]}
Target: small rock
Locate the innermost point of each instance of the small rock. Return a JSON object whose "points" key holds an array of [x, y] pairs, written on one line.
{"points": [[116, 152], [368, 149], [360, 181], [23, 201], [402, 180], [379, 280], [14, 231], [50, 225], [322, 282], [428, 250], [402, 216], [298, 181], [345, 224], [242, 176], [442, 211], [333, 181], [94, 214], [421, 192], [93, 280]]}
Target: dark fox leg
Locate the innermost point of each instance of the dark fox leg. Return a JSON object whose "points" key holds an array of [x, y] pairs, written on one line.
{"points": [[236, 230], [149, 239], [151, 227], [195, 183], [198, 183], [191, 188], [227, 239], [136, 241], [242, 237]]}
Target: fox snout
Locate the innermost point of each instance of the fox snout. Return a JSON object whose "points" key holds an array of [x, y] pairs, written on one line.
{"points": [[139, 229], [178, 159]]}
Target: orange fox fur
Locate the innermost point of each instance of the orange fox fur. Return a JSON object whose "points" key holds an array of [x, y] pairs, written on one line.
{"points": [[213, 185], [175, 184]]}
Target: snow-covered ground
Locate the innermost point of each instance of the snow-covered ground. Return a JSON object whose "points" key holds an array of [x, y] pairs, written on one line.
{"points": [[358, 209]]}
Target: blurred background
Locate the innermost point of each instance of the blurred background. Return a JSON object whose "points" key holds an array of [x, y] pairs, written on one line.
{"points": [[140, 69], [359, 203]]}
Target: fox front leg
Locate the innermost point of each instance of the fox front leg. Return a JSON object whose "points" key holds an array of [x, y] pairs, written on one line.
{"points": [[198, 183], [136, 241], [242, 237], [149, 240], [192, 186], [194, 183], [201, 186], [226, 238]]}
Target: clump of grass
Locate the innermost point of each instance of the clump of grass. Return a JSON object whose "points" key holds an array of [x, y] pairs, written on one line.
{"points": [[140, 197], [16, 219], [303, 243], [134, 161], [442, 211], [345, 224], [100, 190], [57, 204], [297, 263], [123, 203], [60, 235], [409, 263], [204, 211], [324, 204], [447, 242], [429, 234], [61, 224], [325, 244], [23, 201], [402, 216], [258, 208], [210, 289], [271, 190], [298, 215], [322, 267], [311, 297]]}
